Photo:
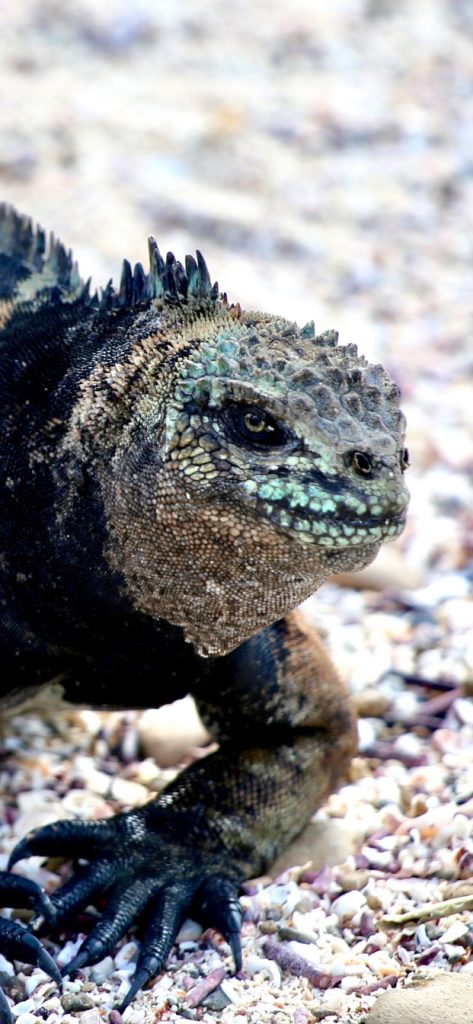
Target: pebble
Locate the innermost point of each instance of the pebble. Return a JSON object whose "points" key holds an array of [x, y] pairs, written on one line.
{"points": [[53, 1004], [346, 905], [73, 1001], [205, 986], [103, 785], [445, 999], [26, 1007], [33, 982], [44, 812], [457, 930], [91, 1016], [167, 733], [14, 987], [82, 803], [190, 931], [370, 703], [126, 955], [67, 952], [257, 964], [101, 971], [321, 843]]}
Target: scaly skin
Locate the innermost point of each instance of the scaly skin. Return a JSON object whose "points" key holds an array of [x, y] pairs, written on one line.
{"points": [[177, 476]]}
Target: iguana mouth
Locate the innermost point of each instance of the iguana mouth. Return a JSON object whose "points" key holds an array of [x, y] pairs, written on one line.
{"points": [[333, 530]]}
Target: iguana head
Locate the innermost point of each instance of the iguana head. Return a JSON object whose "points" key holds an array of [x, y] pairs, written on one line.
{"points": [[295, 429], [261, 458]]}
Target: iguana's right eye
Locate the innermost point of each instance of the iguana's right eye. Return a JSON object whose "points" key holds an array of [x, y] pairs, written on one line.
{"points": [[254, 426], [256, 421], [361, 462]]}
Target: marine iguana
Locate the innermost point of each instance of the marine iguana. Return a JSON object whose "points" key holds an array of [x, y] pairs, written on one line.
{"points": [[177, 475]]}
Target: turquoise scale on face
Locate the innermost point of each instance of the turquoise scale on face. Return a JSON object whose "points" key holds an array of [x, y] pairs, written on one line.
{"points": [[329, 402]]}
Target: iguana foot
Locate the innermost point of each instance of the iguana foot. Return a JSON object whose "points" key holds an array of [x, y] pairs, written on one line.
{"points": [[16, 942], [159, 880]]}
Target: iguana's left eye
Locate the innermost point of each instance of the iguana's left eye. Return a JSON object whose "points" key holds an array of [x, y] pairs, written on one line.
{"points": [[256, 422], [255, 426], [404, 459]]}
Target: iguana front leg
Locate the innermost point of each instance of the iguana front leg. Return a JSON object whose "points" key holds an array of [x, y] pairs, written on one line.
{"points": [[286, 736], [286, 732]]}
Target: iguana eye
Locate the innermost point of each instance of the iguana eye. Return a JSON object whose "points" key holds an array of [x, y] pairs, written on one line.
{"points": [[361, 463], [255, 426], [404, 459], [257, 421]]}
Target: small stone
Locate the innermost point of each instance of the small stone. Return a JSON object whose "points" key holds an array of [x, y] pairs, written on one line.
{"points": [[83, 803], [166, 733], [68, 951], [128, 792], [101, 971], [13, 986], [91, 1016], [72, 1002], [189, 932], [446, 999], [322, 842], [346, 905], [457, 930], [52, 1005], [216, 1000], [115, 1017], [126, 955], [370, 703], [37, 819], [350, 880], [268, 927], [25, 1007]]}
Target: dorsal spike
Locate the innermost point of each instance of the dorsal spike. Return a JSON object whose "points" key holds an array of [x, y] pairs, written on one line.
{"points": [[75, 281], [205, 282], [156, 270], [139, 283], [192, 274], [308, 330], [107, 296], [38, 248], [26, 235], [199, 283], [168, 277], [328, 338], [61, 262], [85, 293], [125, 292], [181, 280]]}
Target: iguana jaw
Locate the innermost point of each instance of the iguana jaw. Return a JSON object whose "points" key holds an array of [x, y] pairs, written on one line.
{"points": [[219, 574]]}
